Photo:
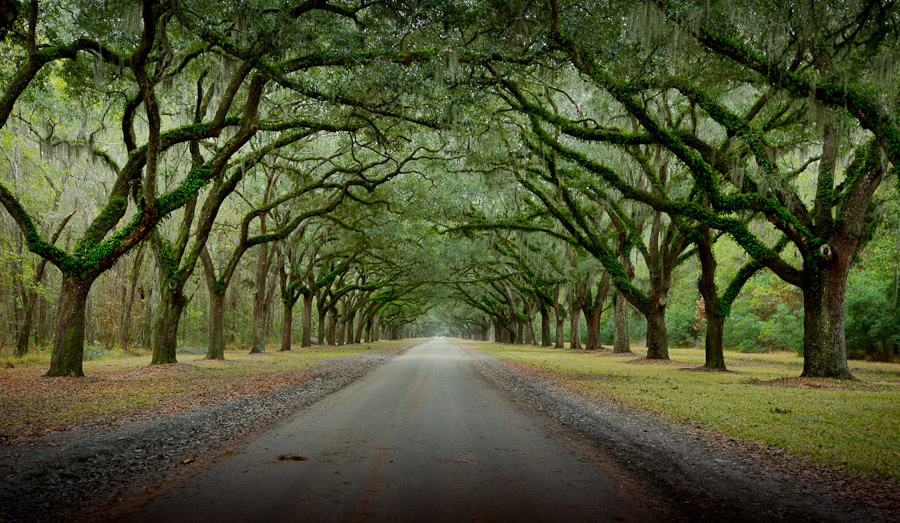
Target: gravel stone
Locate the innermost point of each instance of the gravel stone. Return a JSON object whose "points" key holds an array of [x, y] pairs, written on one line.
{"points": [[73, 475], [698, 474]]}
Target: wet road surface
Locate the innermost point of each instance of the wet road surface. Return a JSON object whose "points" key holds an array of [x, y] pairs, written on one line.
{"points": [[421, 438]]}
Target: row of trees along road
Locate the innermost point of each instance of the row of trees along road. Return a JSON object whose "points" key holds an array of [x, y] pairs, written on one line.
{"points": [[465, 167]]}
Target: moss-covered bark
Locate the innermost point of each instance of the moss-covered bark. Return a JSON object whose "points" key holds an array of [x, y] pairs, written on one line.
{"points": [[168, 317], [216, 347], [68, 344]]}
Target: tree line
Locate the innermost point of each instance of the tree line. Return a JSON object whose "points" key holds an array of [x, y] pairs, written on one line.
{"points": [[485, 163]]}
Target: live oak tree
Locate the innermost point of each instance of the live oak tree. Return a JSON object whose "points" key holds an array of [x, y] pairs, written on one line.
{"points": [[808, 64], [137, 60]]}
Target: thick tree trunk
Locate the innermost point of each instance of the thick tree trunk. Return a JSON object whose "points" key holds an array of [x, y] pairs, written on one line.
{"points": [[68, 344], [341, 333], [560, 334], [657, 338], [287, 327], [125, 329], [306, 321], [332, 328], [715, 324], [592, 319], [621, 337], [216, 348], [715, 327], [168, 317], [560, 320], [360, 327], [575, 326], [545, 325], [824, 345], [321, 333], [349, 330]]}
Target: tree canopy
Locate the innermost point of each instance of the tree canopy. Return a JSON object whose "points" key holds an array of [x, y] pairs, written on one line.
{"points": [[478, 168]]}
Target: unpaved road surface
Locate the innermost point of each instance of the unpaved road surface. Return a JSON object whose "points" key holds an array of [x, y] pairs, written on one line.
{"points": [[422, 437]]}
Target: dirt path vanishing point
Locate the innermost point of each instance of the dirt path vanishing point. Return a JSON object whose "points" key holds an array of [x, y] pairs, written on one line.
{"points": [[422, 437]]}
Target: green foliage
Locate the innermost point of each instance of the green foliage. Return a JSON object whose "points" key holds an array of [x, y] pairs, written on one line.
{"points": [[872, 324], [95, 352], [747, 331], [682, 325]]}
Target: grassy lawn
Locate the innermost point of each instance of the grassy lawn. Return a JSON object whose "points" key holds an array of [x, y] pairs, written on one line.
{"points": [[850, 424], [121, 387]]}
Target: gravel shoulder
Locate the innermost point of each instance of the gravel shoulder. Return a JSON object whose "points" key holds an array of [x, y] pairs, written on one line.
{"points": [[74, 475], [682, 472], [689, 473]]}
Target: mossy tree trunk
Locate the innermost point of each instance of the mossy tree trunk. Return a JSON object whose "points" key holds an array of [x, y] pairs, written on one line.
{"points": [[287, 327], [332, 327], [545, 325], [168, 317], [559, 314], [306, 320], [621, 336], [575, 325], [216, 348], [68, 344], [657, 337], [824, 344], [715, 320]]}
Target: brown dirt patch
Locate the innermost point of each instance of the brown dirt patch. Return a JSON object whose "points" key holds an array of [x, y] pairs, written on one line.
{"points": [[818, 383], [645, 361]]}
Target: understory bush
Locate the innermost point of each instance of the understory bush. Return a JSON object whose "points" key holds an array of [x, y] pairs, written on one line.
{"points": [[746, 331], [871, 324], [682, 324], [95, 352]]}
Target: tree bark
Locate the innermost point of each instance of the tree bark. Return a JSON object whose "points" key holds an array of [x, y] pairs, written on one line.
{"points": [[287, 327], [332, 327], [824, 344], [545, 325], [321, 333], [715, 324], [715, 356], [216, 347], [168, 317], [657, 338], [621, 337], [592, 319], [125, 329], [258, 336], [68, 344], [575, 325], [306, 321]]}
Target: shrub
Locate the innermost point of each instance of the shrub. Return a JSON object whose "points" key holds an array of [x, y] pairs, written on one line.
{"points": [[872, 324], [783, 330], [94, 352], [681, 324]]}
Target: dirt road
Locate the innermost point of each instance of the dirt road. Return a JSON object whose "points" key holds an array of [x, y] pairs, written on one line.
{"points": [[421, 438]]}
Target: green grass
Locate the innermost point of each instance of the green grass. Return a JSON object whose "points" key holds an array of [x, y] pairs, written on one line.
{"points": [[855, 425]]}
